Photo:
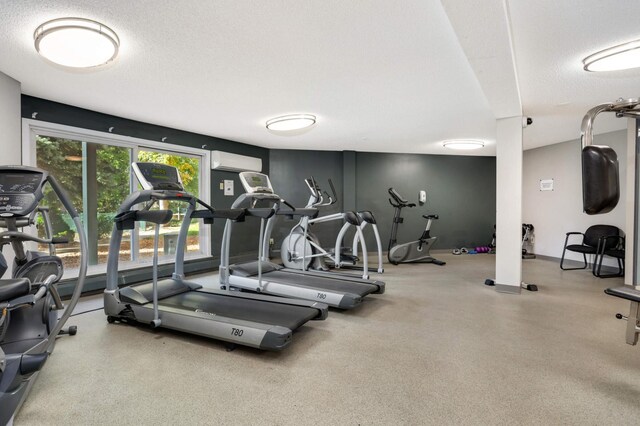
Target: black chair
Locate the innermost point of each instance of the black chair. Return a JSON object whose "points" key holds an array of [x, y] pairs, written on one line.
{"points": [[590, 244], [617, 252]]}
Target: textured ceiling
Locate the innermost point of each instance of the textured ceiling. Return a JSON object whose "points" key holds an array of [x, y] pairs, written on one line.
{"points": [[394, 76], [551, 38], [380, 75]]}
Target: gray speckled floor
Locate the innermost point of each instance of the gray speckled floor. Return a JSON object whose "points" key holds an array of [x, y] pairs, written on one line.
{"points": [[438, 348]]}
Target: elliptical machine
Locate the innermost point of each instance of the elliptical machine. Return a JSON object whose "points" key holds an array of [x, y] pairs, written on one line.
{"points": [[413, 251], [29, 300], [301, 249]]}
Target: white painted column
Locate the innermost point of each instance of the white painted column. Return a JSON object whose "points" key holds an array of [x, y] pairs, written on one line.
{"points": [[11, 140], [509, 204], [10, 121], [630, 208]]}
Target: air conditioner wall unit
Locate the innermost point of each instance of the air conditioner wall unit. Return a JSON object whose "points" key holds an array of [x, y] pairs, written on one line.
{"points": [[221, 160]]}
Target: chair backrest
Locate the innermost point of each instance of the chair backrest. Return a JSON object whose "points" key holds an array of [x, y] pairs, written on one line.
{"points": [[595, 232]]}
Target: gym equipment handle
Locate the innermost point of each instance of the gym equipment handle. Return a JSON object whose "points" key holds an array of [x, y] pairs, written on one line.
{"points": [[62, 195]]}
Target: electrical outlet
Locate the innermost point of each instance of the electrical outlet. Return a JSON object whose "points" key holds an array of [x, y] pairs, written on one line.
{"points": [[271, 241]]}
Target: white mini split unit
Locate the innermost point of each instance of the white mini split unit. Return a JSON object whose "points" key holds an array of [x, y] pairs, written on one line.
{"points": [[234, 163]]}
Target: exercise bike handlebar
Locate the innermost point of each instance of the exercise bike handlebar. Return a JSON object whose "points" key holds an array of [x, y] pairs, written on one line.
{"points": [[401, 205], [317, 193]]}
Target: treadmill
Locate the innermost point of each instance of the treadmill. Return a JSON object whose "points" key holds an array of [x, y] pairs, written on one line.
{"points": [[259, 321], [265, 277]]}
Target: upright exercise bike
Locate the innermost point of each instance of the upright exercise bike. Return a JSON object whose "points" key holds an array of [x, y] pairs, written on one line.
{"points": [[29, 300], [413, 251]]}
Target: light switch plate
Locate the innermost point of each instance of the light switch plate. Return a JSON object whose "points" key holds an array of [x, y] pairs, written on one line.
{"points": [[228, 188]]}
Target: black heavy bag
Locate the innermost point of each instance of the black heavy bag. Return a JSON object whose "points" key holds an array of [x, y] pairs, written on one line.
{"points": [[600, 180]]}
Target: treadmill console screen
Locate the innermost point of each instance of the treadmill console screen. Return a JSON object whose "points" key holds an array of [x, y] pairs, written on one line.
{"points": [[254, 182], [20, 191], [158, 176]]}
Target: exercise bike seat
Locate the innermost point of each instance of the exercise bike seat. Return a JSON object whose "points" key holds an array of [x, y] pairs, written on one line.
{"points": [[367, 216], [430, 216], [12, 288]]}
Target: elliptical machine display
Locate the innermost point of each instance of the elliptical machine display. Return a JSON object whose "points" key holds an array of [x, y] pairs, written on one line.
{"points": [[29, 300], [413, 251]]}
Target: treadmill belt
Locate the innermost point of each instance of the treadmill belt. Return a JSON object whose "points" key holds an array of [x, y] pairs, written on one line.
{"points": [[289, 316], [321, 283]]}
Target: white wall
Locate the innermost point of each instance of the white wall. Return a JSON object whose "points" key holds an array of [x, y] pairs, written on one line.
{"points": [[11, 132], [554, 213], [10, 122]]}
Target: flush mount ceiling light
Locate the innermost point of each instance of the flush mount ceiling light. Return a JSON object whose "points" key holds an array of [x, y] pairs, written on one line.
{"points": [[291, 122], [463, 144], [621, 57], [76, 42]]}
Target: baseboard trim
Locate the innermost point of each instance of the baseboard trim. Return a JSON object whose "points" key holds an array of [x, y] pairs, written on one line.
{"points": [[576, 263]]}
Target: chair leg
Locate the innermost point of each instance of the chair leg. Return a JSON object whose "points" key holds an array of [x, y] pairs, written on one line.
{"points": [[618, 273], [599, 264], [572, 269], [621, 266], [562, 258]]}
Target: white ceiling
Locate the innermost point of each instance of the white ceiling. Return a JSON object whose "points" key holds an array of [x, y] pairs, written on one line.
{"points": [[551, 38], [380, 75]]}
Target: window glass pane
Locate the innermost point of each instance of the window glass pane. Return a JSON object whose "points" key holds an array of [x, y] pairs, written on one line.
{"points": [[105, 186], [113, 177], [98, 178], [63, 159], [189, 169]]}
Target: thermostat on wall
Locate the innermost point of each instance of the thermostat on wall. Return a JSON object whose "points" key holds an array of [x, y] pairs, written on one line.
{"points": [[546, 184]]}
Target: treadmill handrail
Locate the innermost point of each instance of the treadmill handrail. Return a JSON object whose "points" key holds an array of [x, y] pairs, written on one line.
{"points": [[145, 195], [127, 205]]}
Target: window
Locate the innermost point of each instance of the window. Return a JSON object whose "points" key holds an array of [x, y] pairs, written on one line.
{"points": [[189, 168], [95, 170]]}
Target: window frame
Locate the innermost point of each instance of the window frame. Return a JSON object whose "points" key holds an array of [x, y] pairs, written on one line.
{"points": [[31, 128]]}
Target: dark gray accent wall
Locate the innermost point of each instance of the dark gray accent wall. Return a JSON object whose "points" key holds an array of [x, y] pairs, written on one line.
{"points": [[460, 189], [349, 168], [244, 241], [289, 168]]}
